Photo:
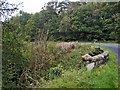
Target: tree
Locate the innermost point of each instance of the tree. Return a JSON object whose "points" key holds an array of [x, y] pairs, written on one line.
{"points": [[22, 18], [22, 21], [7, 9], [46, 20], [13, 58], [96, 18]]}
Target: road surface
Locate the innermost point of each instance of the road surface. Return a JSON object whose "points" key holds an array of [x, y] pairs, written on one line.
{"points": [[113, 47]]}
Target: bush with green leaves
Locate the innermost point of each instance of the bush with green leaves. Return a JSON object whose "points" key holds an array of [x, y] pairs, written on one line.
{"points": [[56, 71], [12, 54], [76, 77]]}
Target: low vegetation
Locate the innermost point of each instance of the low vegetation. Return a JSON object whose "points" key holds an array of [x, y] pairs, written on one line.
{"points": [[75, 74], [66, 70], [33, 55], [55, 65]]}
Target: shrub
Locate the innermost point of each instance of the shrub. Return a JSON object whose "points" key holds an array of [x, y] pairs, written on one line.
{"points": [[12, 57], [56, 71]]}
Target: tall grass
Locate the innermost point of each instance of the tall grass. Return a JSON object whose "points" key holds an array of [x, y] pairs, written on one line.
{"points": [[76, 76], [42, 56], [51, 67]]}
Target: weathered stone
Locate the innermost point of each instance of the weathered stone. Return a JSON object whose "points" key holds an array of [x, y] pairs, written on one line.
{"points": [[96, 58], [93, 61], [87, 57], [102, 56], [90, 66]]}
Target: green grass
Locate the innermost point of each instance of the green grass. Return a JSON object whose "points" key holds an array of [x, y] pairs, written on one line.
{"points": [[75, 74], [109, 42]]}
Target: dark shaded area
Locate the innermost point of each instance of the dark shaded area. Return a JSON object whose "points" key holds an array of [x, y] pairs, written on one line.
{"points": [[77, 35]]}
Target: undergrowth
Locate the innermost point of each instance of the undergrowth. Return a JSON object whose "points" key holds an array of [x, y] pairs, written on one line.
{"points": [[73, 73]]}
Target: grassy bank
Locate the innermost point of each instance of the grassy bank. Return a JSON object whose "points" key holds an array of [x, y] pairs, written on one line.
{"points": [[75, 75]]}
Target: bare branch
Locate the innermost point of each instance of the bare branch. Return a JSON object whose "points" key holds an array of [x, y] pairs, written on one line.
{"points": [[7, 9]]}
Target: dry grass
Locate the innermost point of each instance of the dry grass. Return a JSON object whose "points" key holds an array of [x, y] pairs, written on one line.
{"points": [[67, 46]]}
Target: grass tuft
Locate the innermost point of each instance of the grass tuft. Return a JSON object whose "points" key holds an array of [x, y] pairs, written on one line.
{"points": [[76, 76]]}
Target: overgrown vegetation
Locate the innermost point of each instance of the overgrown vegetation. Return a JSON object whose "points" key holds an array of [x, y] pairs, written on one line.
{"points": [[68, 21], [30, 54], [75, 74], [13, 59]]}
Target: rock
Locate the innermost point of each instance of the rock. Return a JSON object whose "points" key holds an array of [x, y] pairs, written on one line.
{"points": [[96, 60], [90, 66], [100, 57], [87, 57]]}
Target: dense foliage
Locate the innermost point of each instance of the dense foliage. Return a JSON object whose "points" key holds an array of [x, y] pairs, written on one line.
{"points": [[13, 54], [93, 20], [30, 59], [98, 18]]}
